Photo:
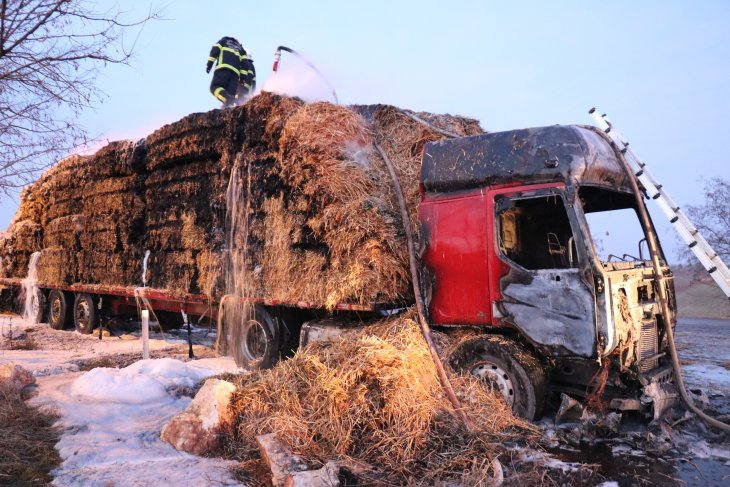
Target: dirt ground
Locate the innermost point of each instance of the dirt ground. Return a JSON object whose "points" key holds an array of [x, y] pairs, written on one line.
{"points": [[682, 452]]}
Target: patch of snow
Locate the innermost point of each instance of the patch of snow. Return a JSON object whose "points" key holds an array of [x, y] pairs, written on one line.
{"points": [[710, 376], [143, 381], [701, 449], [112, 420], [544, 459]]}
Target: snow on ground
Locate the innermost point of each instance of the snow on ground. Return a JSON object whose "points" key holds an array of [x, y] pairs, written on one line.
{"points": [[112, 418]]}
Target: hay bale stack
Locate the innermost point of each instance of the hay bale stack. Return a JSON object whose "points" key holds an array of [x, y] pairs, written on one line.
{"points": [[188, 165], [309, 210], [374, 397], [95, 239], [321, 215]]}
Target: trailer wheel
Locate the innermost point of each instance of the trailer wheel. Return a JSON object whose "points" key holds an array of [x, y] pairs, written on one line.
{"points": [[84, 313], [58, 310], [254, 340], [506, 368]]}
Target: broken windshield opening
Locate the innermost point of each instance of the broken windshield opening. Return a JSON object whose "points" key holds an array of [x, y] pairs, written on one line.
{"points": [[614, 225]]}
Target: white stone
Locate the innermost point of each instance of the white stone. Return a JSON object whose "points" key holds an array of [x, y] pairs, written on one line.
{"points": [[327, 476], [281, 461], [197, 429]]}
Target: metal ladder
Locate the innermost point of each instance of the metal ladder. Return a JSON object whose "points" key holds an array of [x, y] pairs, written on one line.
{"points": [[689, 233]]}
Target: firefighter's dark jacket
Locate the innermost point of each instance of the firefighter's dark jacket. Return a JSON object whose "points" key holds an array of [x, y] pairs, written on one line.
{"points": [[229, 54]]}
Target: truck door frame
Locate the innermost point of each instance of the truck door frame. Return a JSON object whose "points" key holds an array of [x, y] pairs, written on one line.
{"points": [[563, 297]]}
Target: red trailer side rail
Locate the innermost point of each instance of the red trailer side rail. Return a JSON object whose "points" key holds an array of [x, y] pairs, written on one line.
{"points": [[192, 304]]}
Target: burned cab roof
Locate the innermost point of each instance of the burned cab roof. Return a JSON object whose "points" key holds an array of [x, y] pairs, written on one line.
{"points": [[534, 155]]}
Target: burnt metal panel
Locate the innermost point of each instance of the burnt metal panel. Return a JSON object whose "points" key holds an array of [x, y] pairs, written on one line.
{"points": [[563, 153], [554, 309]]}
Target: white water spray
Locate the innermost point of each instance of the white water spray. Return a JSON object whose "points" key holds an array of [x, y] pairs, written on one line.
{"points": [[31, 294], [297, 79], [144, 268], [238, 282]]}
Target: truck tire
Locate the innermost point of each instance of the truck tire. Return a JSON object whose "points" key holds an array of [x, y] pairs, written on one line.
{"points": [[506, 368], [84, 313], [256, 340], [59, 313]]}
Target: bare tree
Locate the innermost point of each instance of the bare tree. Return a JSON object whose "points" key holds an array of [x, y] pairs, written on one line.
{"points": [[712, 219], [51, 52]]}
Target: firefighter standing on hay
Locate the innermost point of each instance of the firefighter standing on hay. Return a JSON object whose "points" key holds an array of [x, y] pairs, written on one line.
{"points": [[234, 77]]}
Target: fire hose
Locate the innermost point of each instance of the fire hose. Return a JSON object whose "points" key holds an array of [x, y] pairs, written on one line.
{"points": [[653, 249], [425, 329], [663, 301], [277, 58]]}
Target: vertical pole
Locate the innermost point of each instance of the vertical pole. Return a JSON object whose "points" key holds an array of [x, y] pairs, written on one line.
{"points": [[190, 336], [145, 334]]}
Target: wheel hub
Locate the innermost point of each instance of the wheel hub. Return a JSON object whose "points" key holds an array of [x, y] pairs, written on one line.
{"points": [[255, 344], [496, 378], [83, 313], [56, 310]]}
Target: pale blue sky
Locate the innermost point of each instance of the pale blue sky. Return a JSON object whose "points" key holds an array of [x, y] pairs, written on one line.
{"points": [[658, 68]]}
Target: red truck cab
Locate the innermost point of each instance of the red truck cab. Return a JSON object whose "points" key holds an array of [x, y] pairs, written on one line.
{"points": [[506, 247]]}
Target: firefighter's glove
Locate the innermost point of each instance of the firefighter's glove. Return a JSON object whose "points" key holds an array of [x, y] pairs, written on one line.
{"points": [[208, 66]]}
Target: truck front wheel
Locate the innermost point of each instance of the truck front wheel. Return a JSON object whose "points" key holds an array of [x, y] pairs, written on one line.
{"points": [[507, 369], [84, 313]]}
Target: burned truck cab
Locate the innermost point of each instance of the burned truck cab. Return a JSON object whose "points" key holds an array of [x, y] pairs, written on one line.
{"points": [[532, 237]]}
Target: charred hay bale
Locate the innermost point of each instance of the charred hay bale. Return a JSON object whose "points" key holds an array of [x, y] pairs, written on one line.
{"points": [[13, 264], [32, 206], [196, 187], [199, 136], [120, 195], [374, 397], [62, 186], [62, 205], [174, 233], [102, 233], [27, 235], [114, 214], [403, 139], [64, 231], [211, 272], [342, 195], [99, 267], [57, 266], [267, 115], [175, 271], [290, 271], [118, 158]]}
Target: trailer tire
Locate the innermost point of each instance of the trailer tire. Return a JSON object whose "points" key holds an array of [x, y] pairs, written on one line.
{"points": [[84, 313], [59, 313], [506, 367], [255, 341]]}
